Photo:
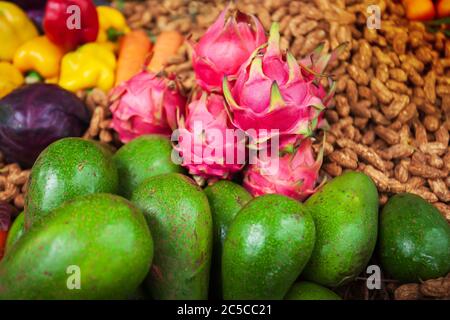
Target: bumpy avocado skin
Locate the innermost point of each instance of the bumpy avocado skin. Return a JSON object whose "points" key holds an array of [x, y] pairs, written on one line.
{"points": [[414, 242], [267, 247], [179, 216], [306, 290], [142, 158], [345, 212], [16, 231], [66, 169], [226, 199], [103, 235]]}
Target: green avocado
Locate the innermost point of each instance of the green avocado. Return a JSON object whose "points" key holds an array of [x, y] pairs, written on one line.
{"points": [[267, 247], [414, 242], [226, 199], [68, 168], [15, 232], [92, 247], [144, 157], [345, 212], [178, 214], [305, 290]]}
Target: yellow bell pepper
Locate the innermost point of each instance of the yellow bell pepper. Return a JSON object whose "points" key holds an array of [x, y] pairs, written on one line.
{"points": [[40, 55], [15, 29], [91, 65], [111, 23], [10, 78]]}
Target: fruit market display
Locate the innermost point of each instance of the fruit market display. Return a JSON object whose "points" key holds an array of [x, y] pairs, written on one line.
{"points": [[105, 174]]}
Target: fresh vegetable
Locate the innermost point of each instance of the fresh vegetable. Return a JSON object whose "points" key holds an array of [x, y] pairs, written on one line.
{"points": [[63, 27], [273, 92], [443, 8], [147, 103], [226, 199], [142, 158], [16, 231], [112, 24], [305, 290], [10, 78], [27, 4], [266, 248], [293, 175], [345, 212], [92, 65], [179, 217], [34, 116], [100, 242], [167, 45], [34, 9], [225, 46], [7, 213], [133, 53], [41, 55], [208, 113], [414, 240], [419, 10], [15, 29], [66, 169]]}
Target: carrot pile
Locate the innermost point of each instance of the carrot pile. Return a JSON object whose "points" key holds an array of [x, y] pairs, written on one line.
{"points": [[167, 45], [136, 48]]}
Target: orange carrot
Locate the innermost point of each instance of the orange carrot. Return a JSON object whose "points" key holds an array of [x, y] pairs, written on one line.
{"points": [[167, 45], [133, 53]]}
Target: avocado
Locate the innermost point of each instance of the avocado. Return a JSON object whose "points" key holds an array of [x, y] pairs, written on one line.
{"points": [[92, 247], [267, 247], [143, 157], [414, 242], [178, 214], [345, 212], [68, 168], [226, 199], [306, 290], [15, 232]]}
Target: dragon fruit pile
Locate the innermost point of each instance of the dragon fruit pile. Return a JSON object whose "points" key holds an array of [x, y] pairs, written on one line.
{"points": [[250, 97]]}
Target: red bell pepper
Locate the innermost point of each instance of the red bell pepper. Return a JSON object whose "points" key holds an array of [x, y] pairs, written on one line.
{"points": [[6, 213], [70, 23], [3, 236]]}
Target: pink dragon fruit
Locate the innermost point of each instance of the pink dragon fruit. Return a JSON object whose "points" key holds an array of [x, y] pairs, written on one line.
{"points": [[206, 149], [293, 175], [274, 95], [145, 104], [225, 46]]}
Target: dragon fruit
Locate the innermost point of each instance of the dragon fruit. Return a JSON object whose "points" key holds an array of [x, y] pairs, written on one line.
{"points": [[293, 175], [145, 104], [205, 144], [225, 46], [275, 95]]}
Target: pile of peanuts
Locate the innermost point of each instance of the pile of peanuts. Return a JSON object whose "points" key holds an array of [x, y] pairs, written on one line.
{"points": [[12, 183], [392, 108], [99, 127]]}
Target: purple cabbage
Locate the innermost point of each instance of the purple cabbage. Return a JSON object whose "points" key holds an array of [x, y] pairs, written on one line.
{"points": [[35, 10], [36, 115], [30, 4]]}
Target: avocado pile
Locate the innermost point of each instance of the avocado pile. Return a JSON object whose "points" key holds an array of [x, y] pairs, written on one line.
{"points": [[99, 225]]}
